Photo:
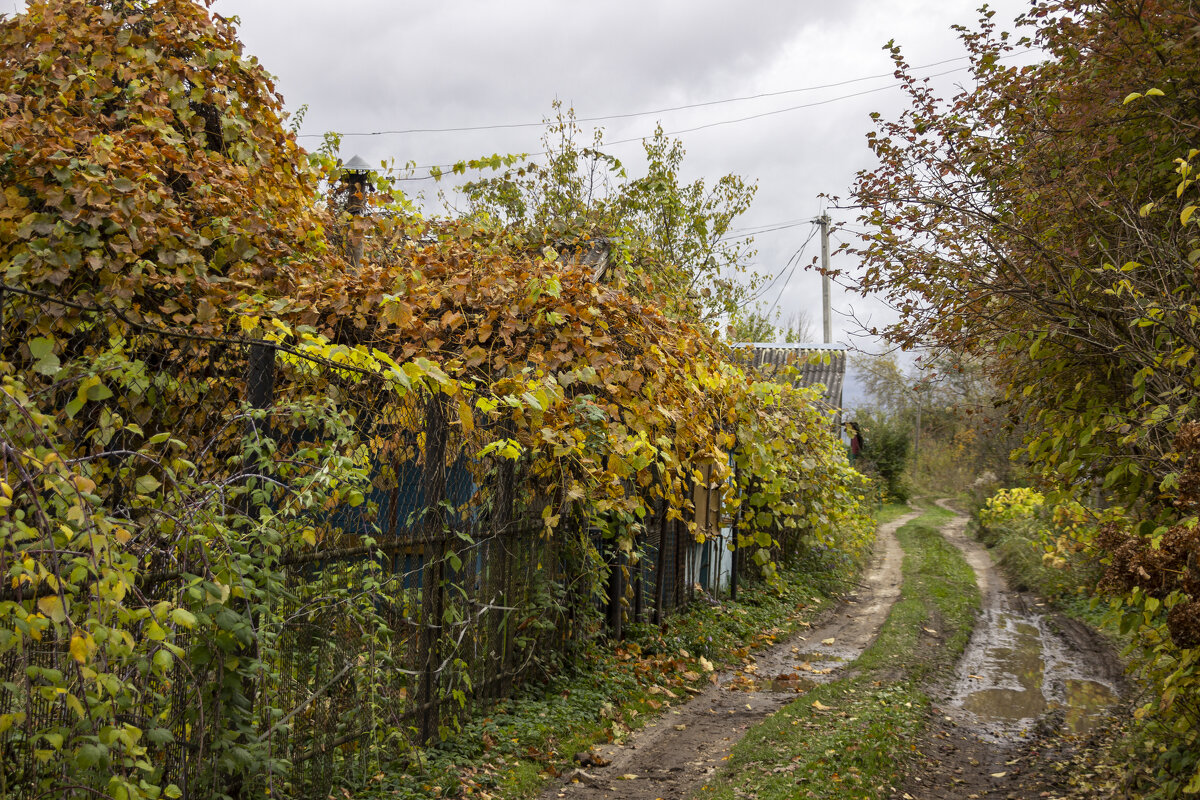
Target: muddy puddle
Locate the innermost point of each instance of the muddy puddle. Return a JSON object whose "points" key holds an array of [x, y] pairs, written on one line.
{"points": [[1017, 670]]}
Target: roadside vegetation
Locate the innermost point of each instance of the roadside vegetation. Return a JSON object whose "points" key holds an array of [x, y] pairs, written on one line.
{"points": [[295, 479], [1040, 226], [511, 750], [1047, 545], [851, 738]]}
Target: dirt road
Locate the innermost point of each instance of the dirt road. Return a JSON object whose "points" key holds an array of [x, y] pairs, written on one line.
{"points": [[1031, 686], [674, 755]]}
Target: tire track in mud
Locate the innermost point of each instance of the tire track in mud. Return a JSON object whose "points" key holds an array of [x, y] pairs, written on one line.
{"points": [[683, 747], [1030, 686]]}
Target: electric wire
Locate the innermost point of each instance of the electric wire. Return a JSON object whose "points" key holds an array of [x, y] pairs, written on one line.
{"points": [[793, 262], [744, 232], [634, 114], [708, 125]]}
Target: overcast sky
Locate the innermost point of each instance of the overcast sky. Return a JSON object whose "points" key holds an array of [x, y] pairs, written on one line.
{"points": [[387, 65]]}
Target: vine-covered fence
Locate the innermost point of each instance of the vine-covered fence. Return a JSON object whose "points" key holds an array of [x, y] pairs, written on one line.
{"points": [[274, 557]]}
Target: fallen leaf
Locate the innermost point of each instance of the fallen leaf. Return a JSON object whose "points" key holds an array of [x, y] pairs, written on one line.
{"points": [[681, 727], [999, 774], [830, 640], [819, 706], [629, 776], [930, 630], [976, 677], [691, 676]]}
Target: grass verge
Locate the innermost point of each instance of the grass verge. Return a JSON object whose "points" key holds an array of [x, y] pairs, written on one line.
{"points": [[890, 512], [850, 738]]}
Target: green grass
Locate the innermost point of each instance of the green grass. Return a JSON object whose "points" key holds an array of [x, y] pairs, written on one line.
{"points": [[850, 738], [891, 512]]}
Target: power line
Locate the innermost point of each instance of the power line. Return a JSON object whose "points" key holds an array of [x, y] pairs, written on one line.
{"points": [[787, 223], [744, 232], [633, 114], [794, 262], [627, 115], [718, 123]]}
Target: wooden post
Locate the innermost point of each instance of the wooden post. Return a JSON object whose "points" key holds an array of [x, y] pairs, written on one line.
{"points": [[501, 566], [660, 567], [260, 391]]}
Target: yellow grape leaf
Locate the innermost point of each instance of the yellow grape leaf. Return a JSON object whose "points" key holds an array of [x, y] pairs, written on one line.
{"points": [[464, 416], [79, 647], [53, 608]]}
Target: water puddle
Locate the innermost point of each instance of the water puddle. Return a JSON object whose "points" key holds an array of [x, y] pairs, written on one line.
{"points": [[792, 683], [1016, 669], [818, 657], [1087, 701]]}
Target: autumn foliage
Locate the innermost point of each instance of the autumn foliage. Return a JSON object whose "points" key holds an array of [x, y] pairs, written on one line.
{"points": [[1043, 220], [168, 514]]}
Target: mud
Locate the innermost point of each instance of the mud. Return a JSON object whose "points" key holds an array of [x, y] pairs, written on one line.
{"points": [[675, 754], [1029, 690]]}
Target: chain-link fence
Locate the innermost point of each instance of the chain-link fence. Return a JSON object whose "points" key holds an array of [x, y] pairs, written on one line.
{"points": [[415, 588]]}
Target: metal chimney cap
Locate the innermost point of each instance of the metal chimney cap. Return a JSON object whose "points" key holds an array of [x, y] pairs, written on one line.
{"points": [[358, 165]]}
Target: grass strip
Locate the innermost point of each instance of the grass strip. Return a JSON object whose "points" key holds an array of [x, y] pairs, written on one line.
{"points": [[851, 738]]}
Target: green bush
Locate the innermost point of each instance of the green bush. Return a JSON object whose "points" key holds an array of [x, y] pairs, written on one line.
{"points": [[887, 445]]}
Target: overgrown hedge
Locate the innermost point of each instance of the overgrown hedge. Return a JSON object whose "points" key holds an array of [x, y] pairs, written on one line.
{"points": [[200, 597]]}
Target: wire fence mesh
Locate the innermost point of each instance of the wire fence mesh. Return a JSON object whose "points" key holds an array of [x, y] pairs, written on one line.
{"points": [[421, 586]]}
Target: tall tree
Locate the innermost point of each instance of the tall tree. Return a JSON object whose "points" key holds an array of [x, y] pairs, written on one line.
{"points": [[1041, 217], [1044, 219], [670, 241]]}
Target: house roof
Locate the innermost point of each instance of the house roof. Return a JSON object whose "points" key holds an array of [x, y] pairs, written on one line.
{"points": [[823, 364]]}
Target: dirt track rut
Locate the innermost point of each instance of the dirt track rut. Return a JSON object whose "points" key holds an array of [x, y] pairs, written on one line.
{"points": [[681, 749], [1029, 690]]}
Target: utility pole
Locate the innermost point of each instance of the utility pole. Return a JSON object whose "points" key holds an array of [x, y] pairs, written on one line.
{"points": [[826, 302]]}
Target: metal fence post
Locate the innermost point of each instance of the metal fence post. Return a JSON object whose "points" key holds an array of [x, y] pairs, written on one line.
{"points": [[733, 533], [432, 601], [616, 590]]}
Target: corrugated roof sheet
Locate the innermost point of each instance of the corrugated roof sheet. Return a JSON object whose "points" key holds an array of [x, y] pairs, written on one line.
{"points": [[817, 364]]}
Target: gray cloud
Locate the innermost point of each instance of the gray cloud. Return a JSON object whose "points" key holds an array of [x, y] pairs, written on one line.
{"points": [[367, 65]]}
